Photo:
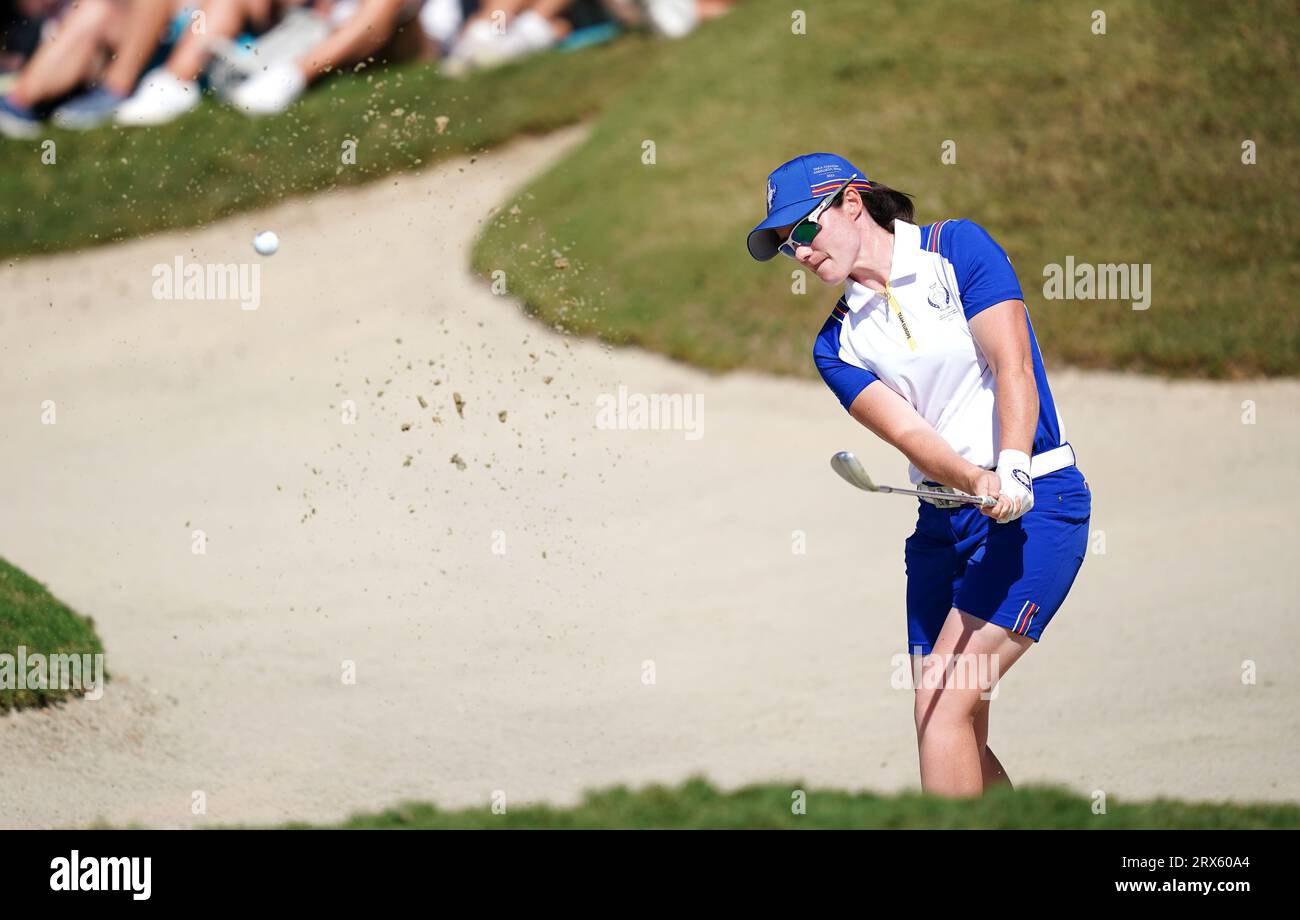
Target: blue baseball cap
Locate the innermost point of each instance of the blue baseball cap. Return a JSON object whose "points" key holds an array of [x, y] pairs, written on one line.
{"points": [[793, 189]]}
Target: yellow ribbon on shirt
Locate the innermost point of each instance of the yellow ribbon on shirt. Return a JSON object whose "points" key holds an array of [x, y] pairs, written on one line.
{"points": [[898, 311]]}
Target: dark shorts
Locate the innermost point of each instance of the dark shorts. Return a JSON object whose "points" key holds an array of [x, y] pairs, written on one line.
{"points": [[1016, 575]]}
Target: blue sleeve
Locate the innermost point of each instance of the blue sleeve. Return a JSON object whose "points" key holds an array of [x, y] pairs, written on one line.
{"points": [[845, 380], [984, 273]]}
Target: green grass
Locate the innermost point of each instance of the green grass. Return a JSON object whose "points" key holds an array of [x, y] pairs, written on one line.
{"points": [[698, 804], [33, 618], [1123, 147], [113, 184], [1117, 148]]}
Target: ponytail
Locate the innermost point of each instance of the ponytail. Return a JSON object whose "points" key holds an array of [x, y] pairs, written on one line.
{"points": [[885, 205]]}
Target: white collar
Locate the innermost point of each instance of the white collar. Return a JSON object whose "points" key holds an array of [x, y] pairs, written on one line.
{"points": [[902, 266]]}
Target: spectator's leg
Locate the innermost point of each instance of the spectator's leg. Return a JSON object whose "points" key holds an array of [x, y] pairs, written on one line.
{"points": [[489, 8], [369, 29], [549, 8], [548, 11], [170, 91], [223, 18], [626, 13], [502, 30], [410, 42], [69, 58], [712, 9], [142, 30]]}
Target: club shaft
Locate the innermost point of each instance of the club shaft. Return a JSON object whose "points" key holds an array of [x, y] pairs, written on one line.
{"points": [[930, 493]]}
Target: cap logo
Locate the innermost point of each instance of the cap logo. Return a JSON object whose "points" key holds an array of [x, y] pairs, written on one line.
{"points": [[771, 193]]}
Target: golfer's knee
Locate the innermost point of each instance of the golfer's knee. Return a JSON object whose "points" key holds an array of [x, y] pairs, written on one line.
{"points": [[937, 708]]}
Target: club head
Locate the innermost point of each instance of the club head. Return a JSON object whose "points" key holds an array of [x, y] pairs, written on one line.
{"points": [[851, 471]]}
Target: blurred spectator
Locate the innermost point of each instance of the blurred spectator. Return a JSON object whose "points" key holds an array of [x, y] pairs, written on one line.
{"points": [[666, 18], [358, 29], [334, 32], [148, 26], [102, 44], [506, 30], [74, 51], [170, 91], [91, 53], [21, 25], [441, 21]]}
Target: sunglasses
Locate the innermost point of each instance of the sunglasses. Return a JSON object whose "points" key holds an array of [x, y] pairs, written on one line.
{"points": [[807, 229]]}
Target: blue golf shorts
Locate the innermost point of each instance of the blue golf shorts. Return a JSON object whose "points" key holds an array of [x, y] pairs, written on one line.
{"points": [[1015, 575]]}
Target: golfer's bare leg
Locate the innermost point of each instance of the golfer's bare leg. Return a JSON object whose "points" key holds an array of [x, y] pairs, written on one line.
{"points": [[952, 757], [990, 767]]}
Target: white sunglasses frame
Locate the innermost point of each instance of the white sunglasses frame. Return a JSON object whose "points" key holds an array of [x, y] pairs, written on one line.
{"points": [[786, 248]]}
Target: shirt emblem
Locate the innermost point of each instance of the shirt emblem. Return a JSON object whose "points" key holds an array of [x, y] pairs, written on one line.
{"points": [[942, 301]]}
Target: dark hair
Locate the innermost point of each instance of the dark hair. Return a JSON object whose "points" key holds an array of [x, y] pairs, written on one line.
{"points": [[884, 204]]}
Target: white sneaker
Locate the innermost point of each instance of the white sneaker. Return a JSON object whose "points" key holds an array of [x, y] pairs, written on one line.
{"points": [[528, 33], [531, 31], [271, 91], [16, 122], [671, 18], [478, 34], [158, 99]]}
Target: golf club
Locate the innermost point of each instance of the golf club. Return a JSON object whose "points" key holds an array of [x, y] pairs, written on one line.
{"points": [[851, 471]]}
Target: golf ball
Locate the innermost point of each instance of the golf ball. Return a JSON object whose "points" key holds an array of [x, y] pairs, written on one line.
{"points": [[266, 242]]}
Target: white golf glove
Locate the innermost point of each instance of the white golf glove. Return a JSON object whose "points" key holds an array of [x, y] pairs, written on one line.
{"points": [[1015, 484]]}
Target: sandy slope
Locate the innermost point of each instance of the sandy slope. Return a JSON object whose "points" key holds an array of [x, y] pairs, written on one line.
{"points": [[523, 671]]}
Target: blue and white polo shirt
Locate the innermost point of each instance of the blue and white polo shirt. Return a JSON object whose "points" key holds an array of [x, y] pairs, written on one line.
{"points": [[941, 276]]}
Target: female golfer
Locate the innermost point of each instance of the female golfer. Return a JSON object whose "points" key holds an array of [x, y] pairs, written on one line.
{"points": [[930, 347]]}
